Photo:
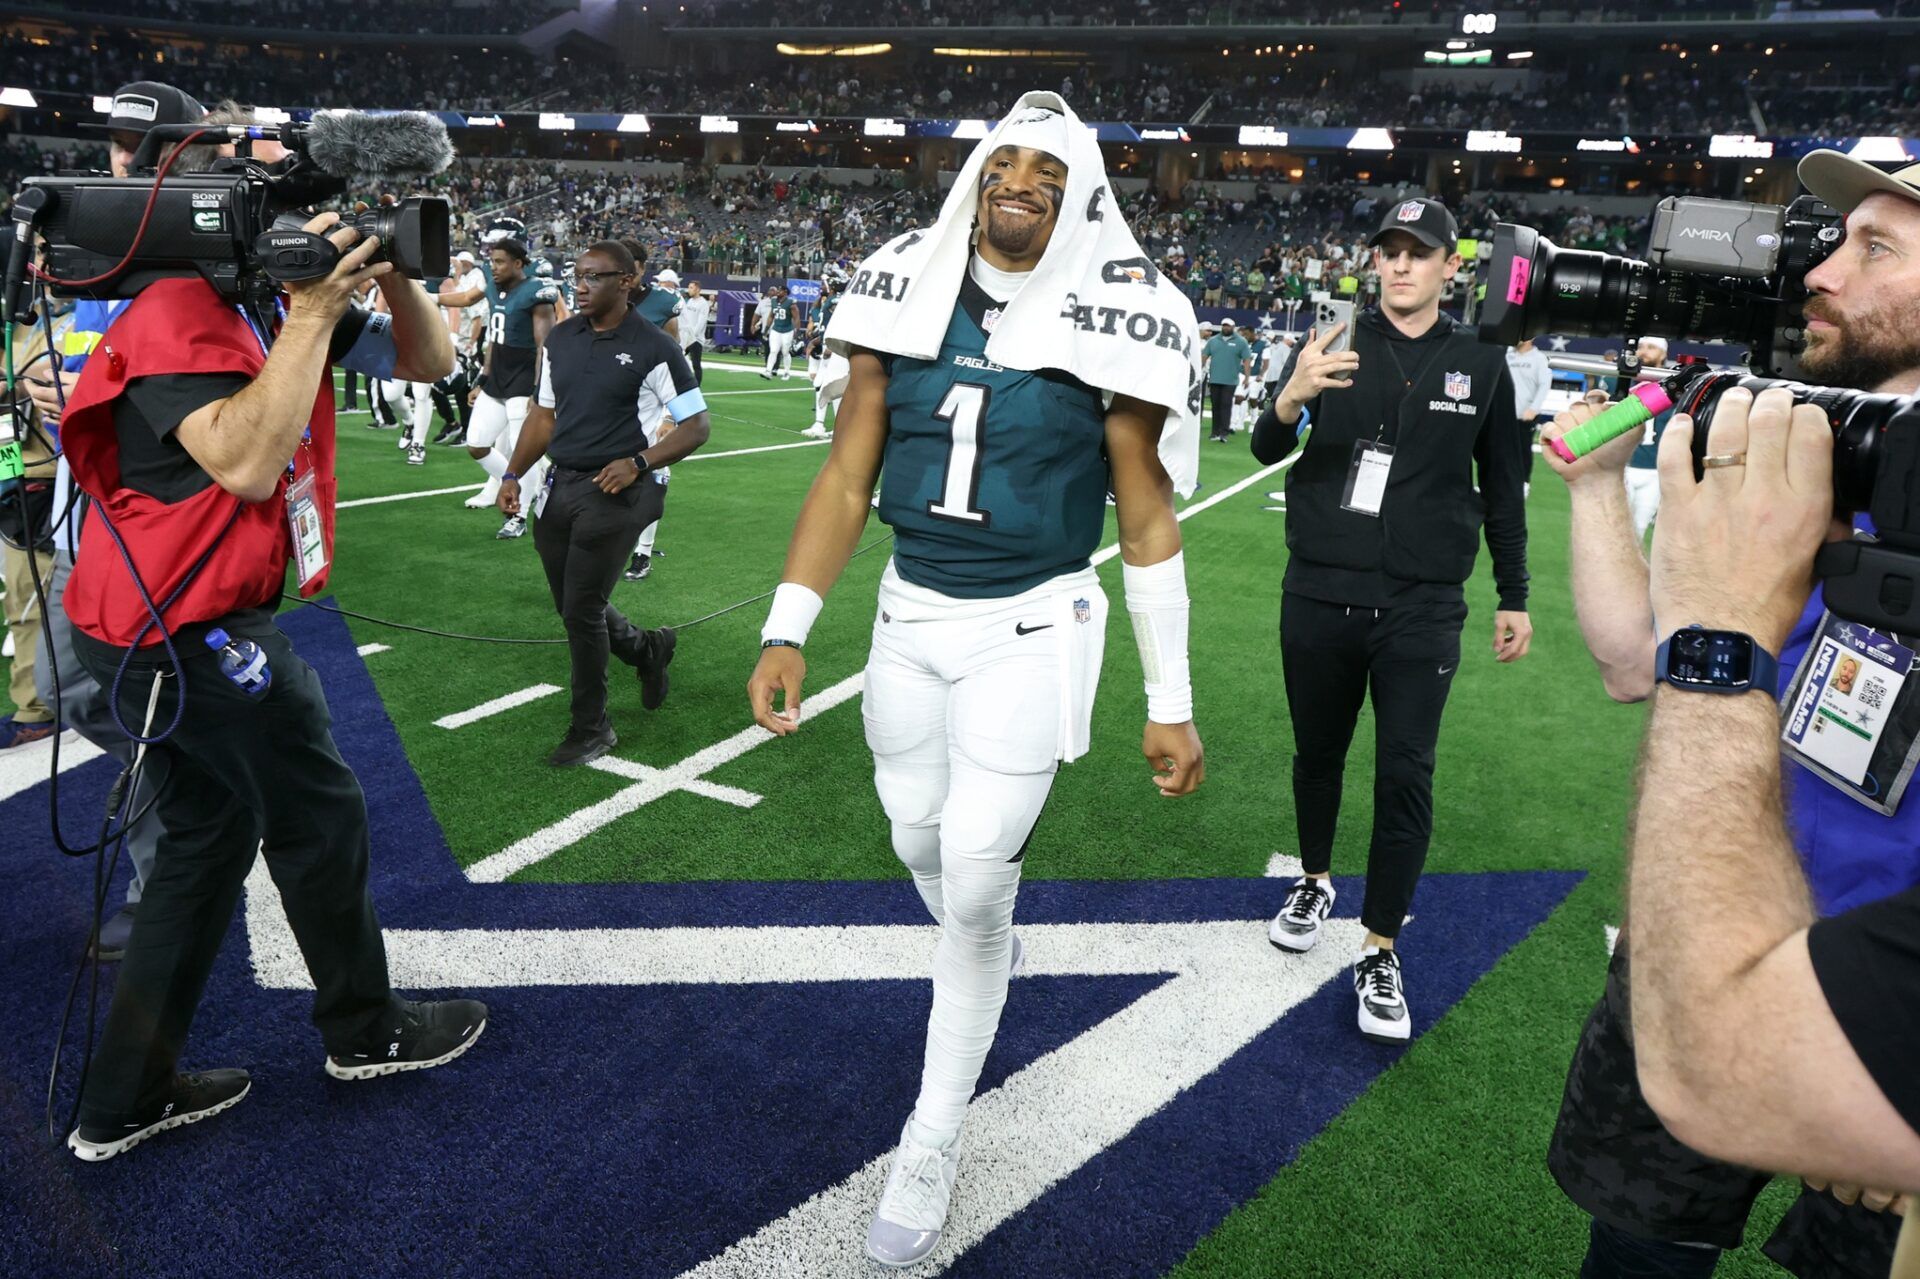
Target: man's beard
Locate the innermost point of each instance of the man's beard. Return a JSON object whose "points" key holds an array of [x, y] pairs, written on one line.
{"points": [[1863, 352], [1014, 235]]}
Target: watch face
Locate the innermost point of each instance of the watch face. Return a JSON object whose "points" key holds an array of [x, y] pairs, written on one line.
{"points": [[1713, 659]]}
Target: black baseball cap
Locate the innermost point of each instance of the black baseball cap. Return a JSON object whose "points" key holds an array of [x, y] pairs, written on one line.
{"points": [[1425, 219], [143, 104]]}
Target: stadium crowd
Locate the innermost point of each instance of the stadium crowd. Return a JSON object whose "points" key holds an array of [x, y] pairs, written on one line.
{"points": [[1700, 96]]}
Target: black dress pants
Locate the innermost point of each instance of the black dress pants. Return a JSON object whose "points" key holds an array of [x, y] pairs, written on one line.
{"points": [[693, 357], [240, 770], [584, 537], [1222, 399], [1332, 657]]}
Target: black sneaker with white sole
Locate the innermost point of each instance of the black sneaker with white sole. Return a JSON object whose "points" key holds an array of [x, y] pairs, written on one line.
{"points": [[1383, 999], [415, 1036], [638, 567], [194, 1097], [653, 669], [1297, 926]]}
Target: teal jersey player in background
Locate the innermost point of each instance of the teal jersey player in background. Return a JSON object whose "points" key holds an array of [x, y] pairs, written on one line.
{"points": [[1021, 500]]}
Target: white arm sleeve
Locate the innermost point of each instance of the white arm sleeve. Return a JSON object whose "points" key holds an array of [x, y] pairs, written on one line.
{"points": [[1157, 603]]}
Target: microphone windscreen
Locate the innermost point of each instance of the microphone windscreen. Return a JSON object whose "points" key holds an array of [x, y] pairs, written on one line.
{"points": [[372, 149]]}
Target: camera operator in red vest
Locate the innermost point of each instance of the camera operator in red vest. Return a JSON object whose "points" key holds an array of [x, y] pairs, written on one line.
{"points": [[204, 433]]}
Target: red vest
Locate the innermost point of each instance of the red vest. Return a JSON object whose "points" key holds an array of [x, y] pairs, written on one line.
{"points": [[176, 327]]}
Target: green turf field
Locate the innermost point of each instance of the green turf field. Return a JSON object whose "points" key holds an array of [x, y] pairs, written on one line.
{"points": [[1440, 1165]]}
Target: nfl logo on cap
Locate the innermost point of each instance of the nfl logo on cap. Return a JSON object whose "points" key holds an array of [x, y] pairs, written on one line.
{"points": [[1459, 386], [1409, 211]]}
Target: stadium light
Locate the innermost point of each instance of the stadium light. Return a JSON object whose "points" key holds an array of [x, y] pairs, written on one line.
{"points": [[103, 103], [970, 129], [1520, 55], [634, 124], [832, 50], [1370, 140], [1872, 150], [23, 98]]}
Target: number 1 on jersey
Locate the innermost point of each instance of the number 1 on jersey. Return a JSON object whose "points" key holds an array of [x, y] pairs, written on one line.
{"points": [[964, 410]]}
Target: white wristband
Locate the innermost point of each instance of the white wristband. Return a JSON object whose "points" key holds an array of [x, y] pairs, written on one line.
{"points": [[794, 609], [1157, 603]]}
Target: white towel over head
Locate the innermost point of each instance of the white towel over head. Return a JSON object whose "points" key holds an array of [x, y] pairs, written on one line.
{"points": [[1095, 307]]}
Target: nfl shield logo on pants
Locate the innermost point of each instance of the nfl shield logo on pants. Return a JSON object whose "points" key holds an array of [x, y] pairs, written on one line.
{"points": [[1082, 611], [1459, 386]]}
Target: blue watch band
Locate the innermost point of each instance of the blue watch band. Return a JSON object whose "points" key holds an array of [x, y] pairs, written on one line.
{"points": [[1711, 649]]}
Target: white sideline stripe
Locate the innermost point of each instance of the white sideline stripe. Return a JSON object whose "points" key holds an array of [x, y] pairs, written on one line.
{"points": [[474, 488], [769, 390], [544, 843], [1281, 866], [403, 497], [368, 650], [496, 706], [1051, 1117], [570, 830], [27, 766]]}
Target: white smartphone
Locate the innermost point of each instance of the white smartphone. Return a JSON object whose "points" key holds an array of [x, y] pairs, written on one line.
{"points": [[1329, 313]]}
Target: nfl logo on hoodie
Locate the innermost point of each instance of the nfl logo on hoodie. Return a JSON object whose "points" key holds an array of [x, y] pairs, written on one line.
{"points": [[1459, 386]]}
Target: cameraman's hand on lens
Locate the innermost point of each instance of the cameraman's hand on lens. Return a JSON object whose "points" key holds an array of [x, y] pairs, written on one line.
{"points": [[509, 499], [1318, 371], [327, 298], [1866, 1196], [1605, 463], [1735, 549]]}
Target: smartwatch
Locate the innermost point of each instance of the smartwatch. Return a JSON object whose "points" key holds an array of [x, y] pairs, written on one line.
{"points": [[1704, 661], [640, 461]]}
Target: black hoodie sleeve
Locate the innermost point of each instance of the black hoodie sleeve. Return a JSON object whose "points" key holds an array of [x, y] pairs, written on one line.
{"points": [[1500, 455], [1273, 439]]}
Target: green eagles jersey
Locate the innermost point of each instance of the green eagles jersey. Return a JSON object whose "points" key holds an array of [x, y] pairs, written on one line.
{"points": [[823, 310], [510, 365], [780, 315], [659, 306], [995, 479]]}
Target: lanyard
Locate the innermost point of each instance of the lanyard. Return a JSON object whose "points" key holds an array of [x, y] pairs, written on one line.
{"points": [[1411, 382], [253, 327]]}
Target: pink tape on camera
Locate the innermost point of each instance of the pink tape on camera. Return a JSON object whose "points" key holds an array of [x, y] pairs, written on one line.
{"points": [[1517, 279]]}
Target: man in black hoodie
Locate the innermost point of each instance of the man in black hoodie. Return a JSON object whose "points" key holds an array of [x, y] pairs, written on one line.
{"points": [[1383, 523]]}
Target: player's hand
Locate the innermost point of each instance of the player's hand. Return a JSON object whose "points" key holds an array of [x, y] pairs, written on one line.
{"points": [[1318, 369], [1605, 463], [45, 398], [1174, 752], [1867, 1197], [1512, 636], [616, 475], [779, 670], [509, 499], [327, 298]]}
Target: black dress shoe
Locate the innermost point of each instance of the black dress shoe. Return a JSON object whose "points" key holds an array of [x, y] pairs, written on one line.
{"points": [[583, 746], [653, 671]]}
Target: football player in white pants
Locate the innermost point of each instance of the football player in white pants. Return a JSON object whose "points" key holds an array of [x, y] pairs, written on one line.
{"points": [[411, 404], [977, 687], [829, 374]]}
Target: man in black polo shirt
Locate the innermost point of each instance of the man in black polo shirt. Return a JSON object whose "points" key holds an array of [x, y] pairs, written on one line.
{"points": [[1383, 524], [609, 378]]}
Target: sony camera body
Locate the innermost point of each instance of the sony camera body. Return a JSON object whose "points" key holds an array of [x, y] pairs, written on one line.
{"points": [[1716, 270]]}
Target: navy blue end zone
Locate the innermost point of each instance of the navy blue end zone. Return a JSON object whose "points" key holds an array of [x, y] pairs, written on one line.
{"points": [[639, 1130]]}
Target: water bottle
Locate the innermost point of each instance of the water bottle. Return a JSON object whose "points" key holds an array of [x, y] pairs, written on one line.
{"points": [[242, 661]]}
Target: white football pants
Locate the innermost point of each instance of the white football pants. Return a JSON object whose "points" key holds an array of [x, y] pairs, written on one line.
{"points": [[496, 428], [780, 351], [963, 713], [1643, 497]]}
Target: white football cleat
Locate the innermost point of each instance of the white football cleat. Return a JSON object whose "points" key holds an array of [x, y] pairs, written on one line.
{"points": [[913, 1208], [817, 431], [483, 500]]}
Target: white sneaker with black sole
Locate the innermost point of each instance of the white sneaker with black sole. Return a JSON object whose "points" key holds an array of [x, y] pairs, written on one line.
{"points": [[416, 1036], [1297, 926], [194, 1097], [1383, 998], [913, 1208]]}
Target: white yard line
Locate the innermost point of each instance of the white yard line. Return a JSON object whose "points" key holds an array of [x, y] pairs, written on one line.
{"points": [[496, 706], [26, 766], [570, 830], [368, 650]]}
